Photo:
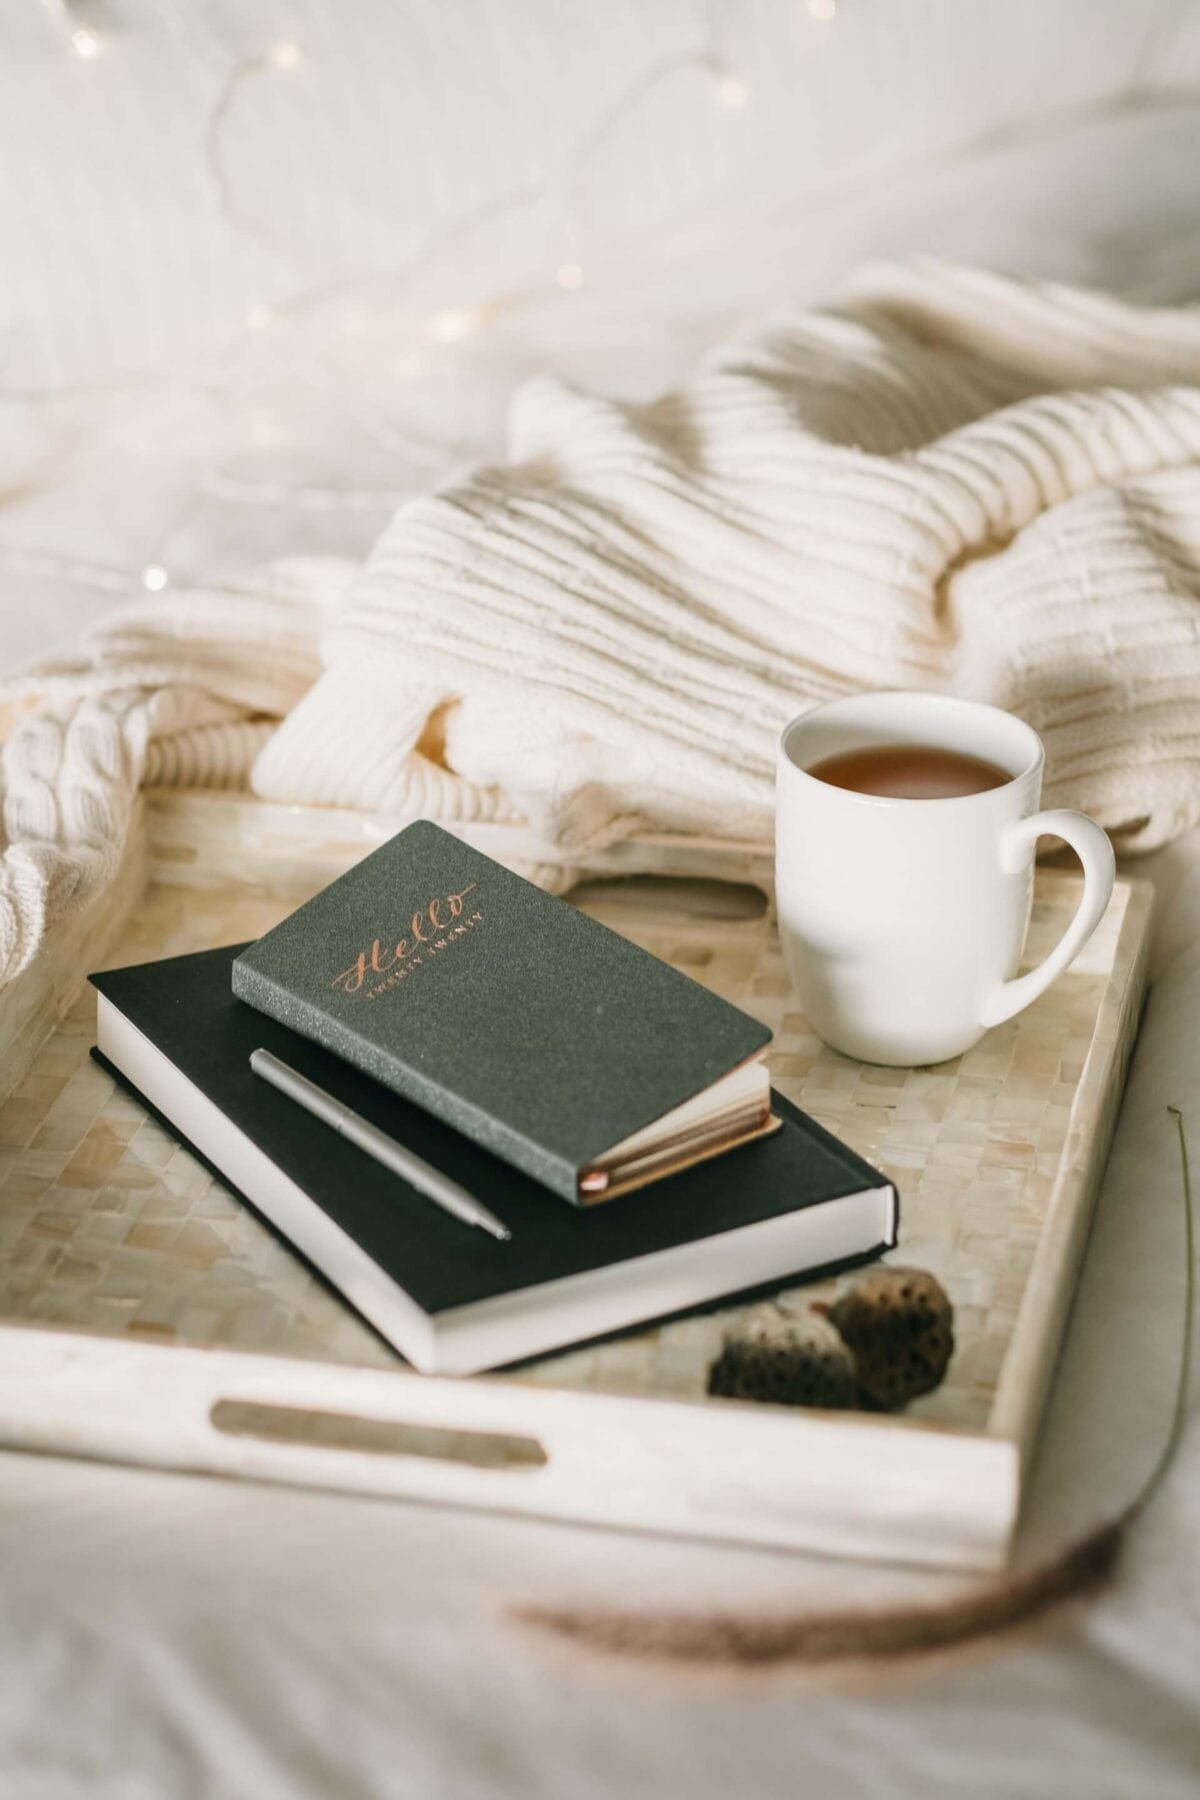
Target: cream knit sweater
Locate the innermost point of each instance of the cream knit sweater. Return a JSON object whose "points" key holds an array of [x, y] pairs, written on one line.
{"points": [[951, 480]]}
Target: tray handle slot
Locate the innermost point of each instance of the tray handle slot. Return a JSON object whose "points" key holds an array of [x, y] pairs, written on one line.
{"points": [[318, 1429]]}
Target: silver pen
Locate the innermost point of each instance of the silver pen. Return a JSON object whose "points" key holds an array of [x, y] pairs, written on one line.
{"points": [[367, 1137]]}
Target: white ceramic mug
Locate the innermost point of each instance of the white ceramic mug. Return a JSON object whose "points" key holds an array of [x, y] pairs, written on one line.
{"points": [[903, 921]]}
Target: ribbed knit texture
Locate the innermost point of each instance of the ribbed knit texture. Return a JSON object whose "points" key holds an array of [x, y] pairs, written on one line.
{"points": [[951, 481], [183, 690]]}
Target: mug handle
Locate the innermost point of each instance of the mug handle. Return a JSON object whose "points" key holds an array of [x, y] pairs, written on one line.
{"points": [[1090, 844]]}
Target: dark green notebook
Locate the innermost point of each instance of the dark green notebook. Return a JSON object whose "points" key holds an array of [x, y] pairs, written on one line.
{"points": [[537, 1032]]}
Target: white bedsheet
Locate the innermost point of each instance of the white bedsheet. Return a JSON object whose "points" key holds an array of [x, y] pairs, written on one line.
{"points": [[163, 1636]]}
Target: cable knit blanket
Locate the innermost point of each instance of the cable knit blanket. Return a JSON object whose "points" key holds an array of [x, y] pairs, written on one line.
{"points": [[949, 480]]}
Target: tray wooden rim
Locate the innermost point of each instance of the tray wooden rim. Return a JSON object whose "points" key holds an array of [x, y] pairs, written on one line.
{"points": [[66, 1363]]}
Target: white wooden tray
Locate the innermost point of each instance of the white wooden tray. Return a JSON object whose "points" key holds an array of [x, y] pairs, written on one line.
{"points": [[145, 1316]]}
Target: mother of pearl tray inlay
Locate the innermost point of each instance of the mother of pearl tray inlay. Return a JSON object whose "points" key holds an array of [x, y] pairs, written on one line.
{"points": [[147, 1317]]}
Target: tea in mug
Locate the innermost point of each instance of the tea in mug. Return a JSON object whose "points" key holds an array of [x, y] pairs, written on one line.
{"points": [[910, 772]]}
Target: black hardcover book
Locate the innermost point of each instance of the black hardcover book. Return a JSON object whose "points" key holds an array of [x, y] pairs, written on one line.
{"points": [[450, 1298], [538, 1032]]}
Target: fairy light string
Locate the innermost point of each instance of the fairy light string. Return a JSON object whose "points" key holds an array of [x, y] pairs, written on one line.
{"points": [[286, 58]]}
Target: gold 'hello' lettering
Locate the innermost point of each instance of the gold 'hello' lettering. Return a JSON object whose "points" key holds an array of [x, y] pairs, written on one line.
{"points": [[378, 960]]}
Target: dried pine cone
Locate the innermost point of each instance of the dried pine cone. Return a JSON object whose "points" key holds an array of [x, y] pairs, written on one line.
{"points": [[792, 1361], [898, 1324]]}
